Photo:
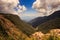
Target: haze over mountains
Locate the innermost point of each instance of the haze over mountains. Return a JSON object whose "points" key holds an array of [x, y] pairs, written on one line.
{"points": [[37, 21]]}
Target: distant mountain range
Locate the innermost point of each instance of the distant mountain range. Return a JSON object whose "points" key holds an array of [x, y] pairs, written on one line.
{"points": [[37, 21], [51, 24]]}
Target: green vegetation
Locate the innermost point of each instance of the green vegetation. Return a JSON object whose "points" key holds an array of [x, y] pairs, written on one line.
{"points": [[13, 28], [47, 26], [9, 31], [24, 27]]}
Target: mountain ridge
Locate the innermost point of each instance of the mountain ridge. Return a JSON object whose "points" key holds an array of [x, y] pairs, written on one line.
{"points": [[37, 21], [9, 29], [51, 24], [19, 23]]}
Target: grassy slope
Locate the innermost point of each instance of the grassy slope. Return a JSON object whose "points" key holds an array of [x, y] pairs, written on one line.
{"points": [[52, 24], [24, 27], [37, 21], [8, 30]]}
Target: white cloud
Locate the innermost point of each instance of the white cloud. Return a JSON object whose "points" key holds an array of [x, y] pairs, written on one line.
{"points": [[46, 6], [21, 8], [9, 6], [32, 15], [29, 16]]}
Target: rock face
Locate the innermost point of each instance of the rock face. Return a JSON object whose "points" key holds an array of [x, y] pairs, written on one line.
{"points": [[37, 21]]}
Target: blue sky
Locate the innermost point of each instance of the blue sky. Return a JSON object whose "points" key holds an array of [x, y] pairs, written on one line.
{"points": [[30, 13], [27, 3]]}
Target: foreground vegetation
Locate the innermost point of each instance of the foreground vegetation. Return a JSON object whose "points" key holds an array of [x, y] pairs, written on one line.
{"points": [[53, 34]]}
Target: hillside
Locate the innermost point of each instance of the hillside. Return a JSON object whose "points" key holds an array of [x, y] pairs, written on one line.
{"points": [[39, 20], [24, 27], [51, 24], [8, 30], [13, 28]]}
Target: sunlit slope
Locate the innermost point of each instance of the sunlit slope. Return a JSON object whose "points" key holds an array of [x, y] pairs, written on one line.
{"points": [[8, 30], [24, 27]]}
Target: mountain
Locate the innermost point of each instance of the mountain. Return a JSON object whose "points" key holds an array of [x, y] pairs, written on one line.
{"points": [[37, 21], [26, 28], [13, 28], [51, 24], [8, 30]]}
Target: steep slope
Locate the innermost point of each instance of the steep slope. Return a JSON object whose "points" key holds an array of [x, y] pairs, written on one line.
{"points": [[51, 24], [37, 21], [24, 27], [8, 30]]}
